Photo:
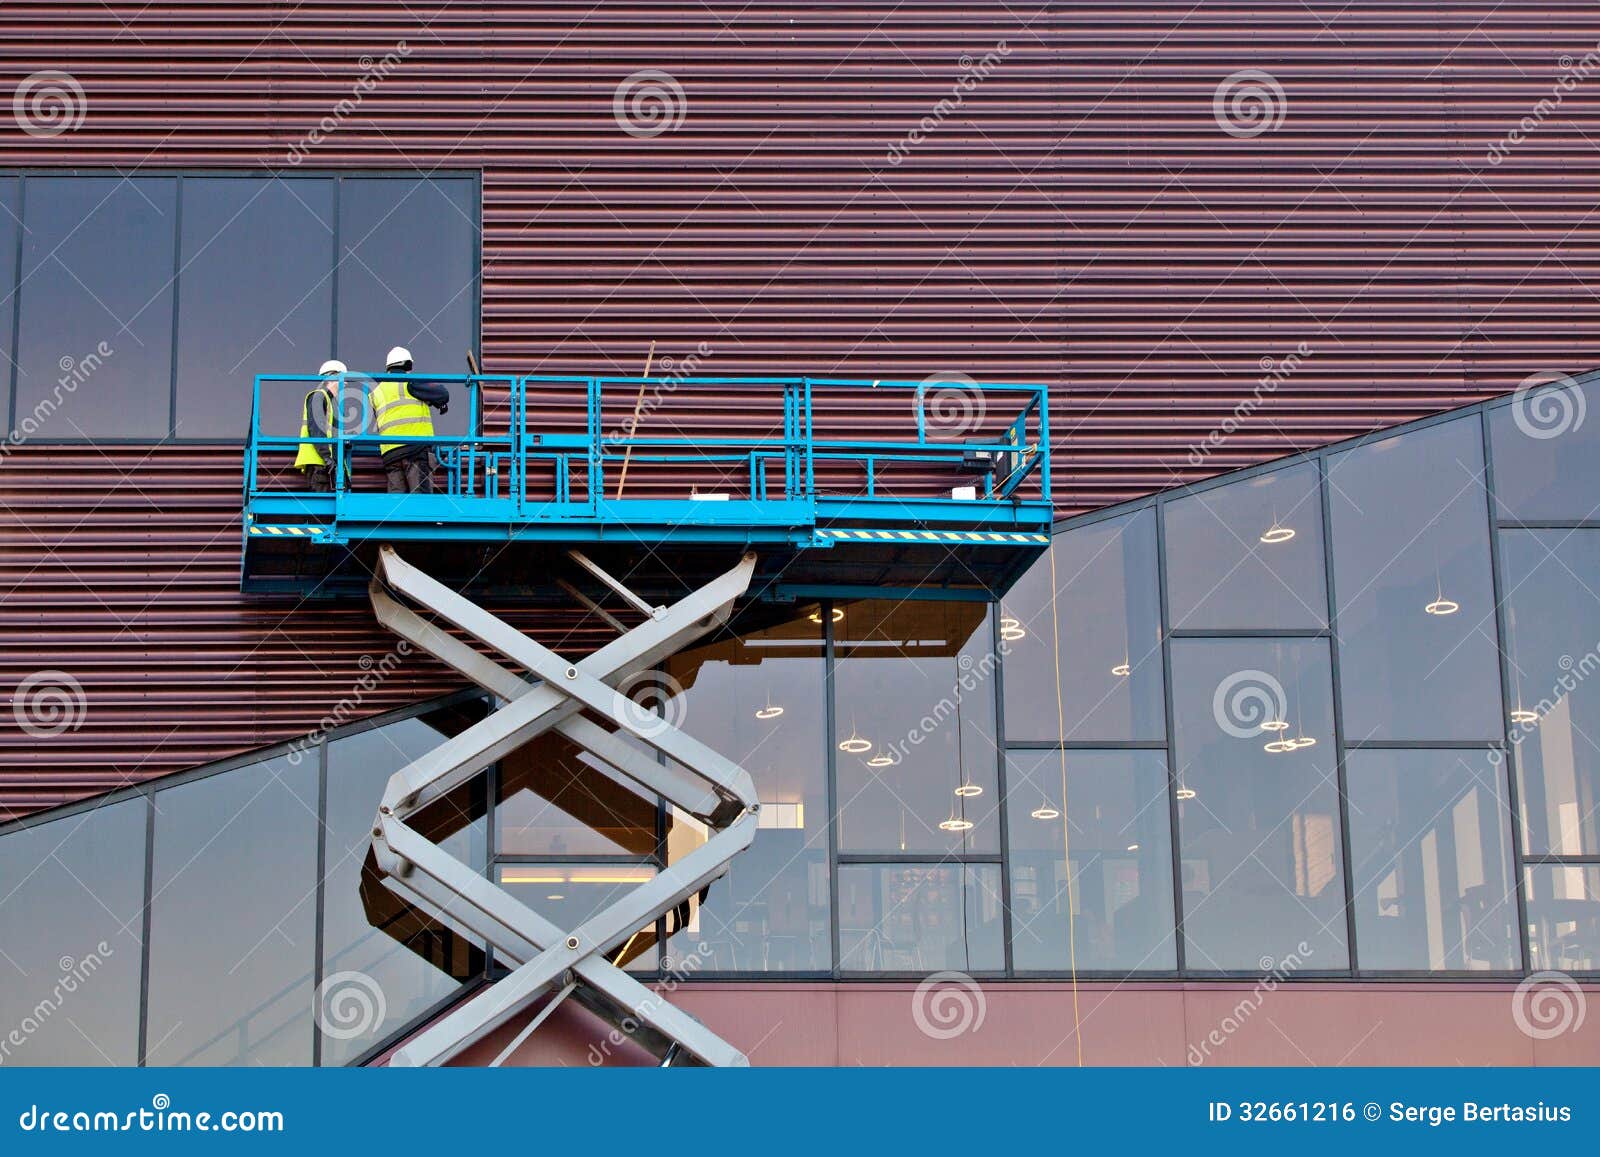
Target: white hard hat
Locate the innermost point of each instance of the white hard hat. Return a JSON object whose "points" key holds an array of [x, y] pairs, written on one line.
{"points": [[398, 356], [333, 366]]}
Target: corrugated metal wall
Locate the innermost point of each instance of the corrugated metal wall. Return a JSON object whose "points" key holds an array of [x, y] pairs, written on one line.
{"points": [[1081, 218]]}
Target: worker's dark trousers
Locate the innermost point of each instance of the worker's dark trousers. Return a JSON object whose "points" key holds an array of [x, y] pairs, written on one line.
{"points": [[319, 478], [409, 471]]}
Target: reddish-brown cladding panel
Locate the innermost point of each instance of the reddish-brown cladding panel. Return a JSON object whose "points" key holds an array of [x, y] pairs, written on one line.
{"points": [[1074, 212]]}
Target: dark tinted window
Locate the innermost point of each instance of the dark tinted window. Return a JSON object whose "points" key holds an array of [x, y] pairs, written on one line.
{"points": [[1249, 554], [1552, 624], [384, 962], [96, 321], [1115, 825], [1417, 648], [1104, 632], [71, 904], [1259, 836], [1546, 447], [1564, 917], [758, 700], [10, 226], [920, 918], [914, 728], [407, 275], [1430, 853], [233, 921], [255, 294]]}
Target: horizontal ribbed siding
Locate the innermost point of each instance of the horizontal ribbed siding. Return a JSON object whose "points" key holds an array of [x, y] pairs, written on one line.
{"points": [[1081, 220]]}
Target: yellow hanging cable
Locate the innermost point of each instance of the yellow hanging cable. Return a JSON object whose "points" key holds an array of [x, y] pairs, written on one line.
{"points": [[1066, 822]]}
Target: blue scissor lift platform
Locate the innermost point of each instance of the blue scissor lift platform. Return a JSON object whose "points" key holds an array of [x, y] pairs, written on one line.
{"points": [[826, 516], [782, 502]]}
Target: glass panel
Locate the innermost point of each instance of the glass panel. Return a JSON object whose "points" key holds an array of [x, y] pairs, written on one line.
{"points": [[569, 894], [1547, 453], [1117, 830], [758, 699], [1564, 917], [558, 800], [1552, 620], [10, 224], [1106, 635], [408, 275], [1417, 652], [1431, 860], [71, 913], [920, 918], [1249, 554], [95, 337], [1259, 825], [374, 942], [914, 727], [233, 920], [275, 318]]}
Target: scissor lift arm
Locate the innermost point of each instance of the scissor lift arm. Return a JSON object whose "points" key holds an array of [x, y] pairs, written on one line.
{"points": [[567, 697]]}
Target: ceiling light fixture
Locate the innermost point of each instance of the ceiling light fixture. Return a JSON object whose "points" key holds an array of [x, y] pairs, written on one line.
{"points": [[1303, 741], [1442, 606], [1187, 793], [1133, 847], [882, 759], [1276, 533], [1121, 670], [1045, 812], [838, 615], [1011, 630], [1523, 715], [1278, 746], [1275, 725], [855, 745], [967, 790], [955, 824], [770, 711]]}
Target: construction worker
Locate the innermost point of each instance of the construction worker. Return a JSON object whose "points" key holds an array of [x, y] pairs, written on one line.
{"points": [[315, 460], [403, 409]]}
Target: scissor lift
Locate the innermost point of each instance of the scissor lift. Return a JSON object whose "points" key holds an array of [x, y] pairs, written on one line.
{"points": [[686, 563]]}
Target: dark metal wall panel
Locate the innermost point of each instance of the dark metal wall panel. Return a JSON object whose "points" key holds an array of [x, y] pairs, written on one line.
{"points": [[1080, 218]]}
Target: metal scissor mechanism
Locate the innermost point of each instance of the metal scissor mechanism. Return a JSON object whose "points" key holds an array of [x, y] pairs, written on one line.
{"points": [[581, 702]]}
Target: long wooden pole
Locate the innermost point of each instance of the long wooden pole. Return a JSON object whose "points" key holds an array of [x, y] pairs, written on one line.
{"points": [[638, 408]]}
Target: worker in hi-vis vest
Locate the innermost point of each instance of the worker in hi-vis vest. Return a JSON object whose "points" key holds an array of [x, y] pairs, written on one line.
{"points": [[403, 409], [315, 460]]}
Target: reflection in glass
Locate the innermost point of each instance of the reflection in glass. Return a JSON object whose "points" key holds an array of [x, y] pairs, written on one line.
{"points": [[1119, 838], [71, 906], [1249, 554], [1552, 622], [1105, 630], [1418, 656], [97, 276], [1546, 445], [233, 917], [368, 929], [569, 894], [559, 800], [758, 699], [914, 728], [920, 918], [1563, 917], [1431, 860], [10, 222], [279, 319], [1259, 838]]}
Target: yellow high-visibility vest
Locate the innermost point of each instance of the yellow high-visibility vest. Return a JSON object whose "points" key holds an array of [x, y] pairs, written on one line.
{"points": [[310, 453], [396, 411]]}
